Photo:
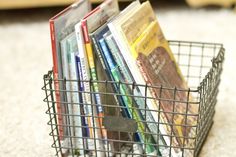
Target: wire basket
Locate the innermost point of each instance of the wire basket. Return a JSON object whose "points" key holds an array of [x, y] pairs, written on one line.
{"points": [[201, 65]]}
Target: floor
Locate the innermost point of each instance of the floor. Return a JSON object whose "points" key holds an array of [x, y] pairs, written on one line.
{"points": [[25, 55]]}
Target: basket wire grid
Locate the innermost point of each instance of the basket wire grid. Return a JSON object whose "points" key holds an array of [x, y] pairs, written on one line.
{"points": [[201, 65]]}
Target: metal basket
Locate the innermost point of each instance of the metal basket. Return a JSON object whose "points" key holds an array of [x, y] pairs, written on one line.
{"points": [[201, 65]]}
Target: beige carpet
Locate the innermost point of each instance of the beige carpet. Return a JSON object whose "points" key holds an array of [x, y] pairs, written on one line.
{"points": [[25, 55]]}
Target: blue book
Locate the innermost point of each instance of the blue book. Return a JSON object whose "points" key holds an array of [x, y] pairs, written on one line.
{"points": [[127, 76], [85, 129], [96, 36]]}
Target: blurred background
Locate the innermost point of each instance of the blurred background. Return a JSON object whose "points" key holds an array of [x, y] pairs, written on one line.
{"points": [[25, 55]]}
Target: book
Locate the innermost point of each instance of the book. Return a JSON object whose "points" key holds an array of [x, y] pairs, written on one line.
{"points": [[118, 58], [130, 47], [127, 77], [114, 24], [145, 15], [93, 144], [145, 39], [84, 127], [60, 26], [129, 104], [87, 100], [75, 97], [84, 74], [101, 65], [91, 22], [66, 75], [109, 101], [96, 36], [155, 60], [114, 74]]}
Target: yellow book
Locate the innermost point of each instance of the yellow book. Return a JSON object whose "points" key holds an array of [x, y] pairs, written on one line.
{"points": [[137, 22], [157, 64]]}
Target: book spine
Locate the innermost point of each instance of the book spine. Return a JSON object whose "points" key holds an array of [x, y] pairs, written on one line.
{"points": [[56, 82], [75, 105], [84, 86], [118, 99], [152, 104], [125, 72], [100, 114], [66, 75], [87, 102], [134, 113], [118, 58], [85, 129], [137, 148], [95, 121], [98, 53]]}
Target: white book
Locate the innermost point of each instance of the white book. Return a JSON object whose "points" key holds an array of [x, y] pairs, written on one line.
{"points": [[70, 121], [85, 75], [75, 99], [76, 107]]}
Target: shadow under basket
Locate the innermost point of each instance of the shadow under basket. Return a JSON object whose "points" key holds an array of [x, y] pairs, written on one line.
{"points": [[127, 122]]}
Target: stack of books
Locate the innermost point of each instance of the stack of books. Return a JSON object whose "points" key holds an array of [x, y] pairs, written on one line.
{"points": [[125, 46]]}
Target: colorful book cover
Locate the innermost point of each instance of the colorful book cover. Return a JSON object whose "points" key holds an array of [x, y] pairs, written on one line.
{"points": [[96, 36], [127, 77], [86, 96], [97, 49], [60, 27], [90, 22], [84, 74], [92, 129], [100, 112], [115, 27], [151, 50], [139, 20], [129, 103], [100, 62], [114, 49]]}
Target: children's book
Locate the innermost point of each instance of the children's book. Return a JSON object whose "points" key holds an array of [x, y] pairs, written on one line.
{"points": [[61, 25], [89, 23]]}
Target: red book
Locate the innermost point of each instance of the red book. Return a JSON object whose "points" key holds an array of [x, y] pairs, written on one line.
{"points": [[61, 25]]}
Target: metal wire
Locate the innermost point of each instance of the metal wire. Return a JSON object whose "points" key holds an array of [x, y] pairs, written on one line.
{"points": [[201, 64]]}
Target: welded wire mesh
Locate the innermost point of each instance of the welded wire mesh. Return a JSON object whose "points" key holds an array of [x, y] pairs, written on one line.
{"points": [[165, 129]]}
